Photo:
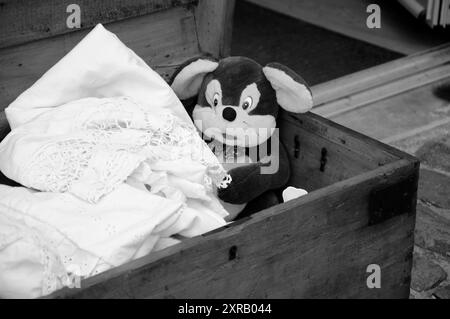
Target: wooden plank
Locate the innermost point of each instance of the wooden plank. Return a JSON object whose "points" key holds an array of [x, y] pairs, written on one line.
{"points": [[347, 153], [214, 26], [308, 169], [26, 20], [374, 150], [413, 121], [381, 74], [392, 102], [323, 241], [333, 109], [400, 116], [399, 32], [164, 40]]}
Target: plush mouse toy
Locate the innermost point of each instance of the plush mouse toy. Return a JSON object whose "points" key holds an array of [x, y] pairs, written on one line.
{"points": [[236, 106]]}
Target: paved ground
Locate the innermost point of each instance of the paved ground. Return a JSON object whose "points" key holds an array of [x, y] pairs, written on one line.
{"points": [[319, 55], [431, 271]]}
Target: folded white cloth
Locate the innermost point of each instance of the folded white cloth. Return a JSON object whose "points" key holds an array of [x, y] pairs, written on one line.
{"points": [[112, 165], [99, 66]]}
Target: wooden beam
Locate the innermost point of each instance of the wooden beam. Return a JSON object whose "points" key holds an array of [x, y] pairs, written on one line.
{"points": [[402, 116], [26, 20], [393, 102], [352, 102], [214, 26], [381, 74]]}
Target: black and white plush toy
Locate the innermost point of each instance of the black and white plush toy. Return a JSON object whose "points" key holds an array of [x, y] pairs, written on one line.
{"points": [[236, 106]]}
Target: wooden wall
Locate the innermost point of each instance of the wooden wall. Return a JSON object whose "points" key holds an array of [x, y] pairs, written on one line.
{"points": [[165, 33]]}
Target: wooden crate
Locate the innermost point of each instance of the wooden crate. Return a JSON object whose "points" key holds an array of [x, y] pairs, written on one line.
{"points": [[360, 209]]}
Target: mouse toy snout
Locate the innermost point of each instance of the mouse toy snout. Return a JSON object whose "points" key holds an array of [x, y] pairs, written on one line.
{"points": [[229, 114]]}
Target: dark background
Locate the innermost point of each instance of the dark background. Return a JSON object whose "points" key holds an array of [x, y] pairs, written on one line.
{"points": [[318, 55]]}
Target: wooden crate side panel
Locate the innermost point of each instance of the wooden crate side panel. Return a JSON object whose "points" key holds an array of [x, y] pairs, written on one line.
{"points": [[316, 246], [164, 40], [25, 20], [322, 153]]}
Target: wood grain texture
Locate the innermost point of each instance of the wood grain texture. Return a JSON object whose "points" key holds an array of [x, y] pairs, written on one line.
{"points": [[323, 247], [318, 245], [381, 74], [400, 116], [346, 155], [380, 93], [164, 40], [391, 102], [214, 26], [26, 20]]}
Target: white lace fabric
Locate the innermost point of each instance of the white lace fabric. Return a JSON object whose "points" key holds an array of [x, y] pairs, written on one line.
{"points": [[111, 165], [96, 155], [89, 146]]}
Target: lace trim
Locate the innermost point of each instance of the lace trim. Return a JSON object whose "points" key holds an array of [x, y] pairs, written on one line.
{"points": [[105, 171], [228, 152], [109, 140], [59, 270], [52, 266]]}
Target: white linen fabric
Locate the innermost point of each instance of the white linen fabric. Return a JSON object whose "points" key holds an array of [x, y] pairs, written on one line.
{"points": [[100, 65], [111, 165]]}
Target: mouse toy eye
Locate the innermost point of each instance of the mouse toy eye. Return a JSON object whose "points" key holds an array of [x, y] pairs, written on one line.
{"points": [[247, 103], [216, 99]]}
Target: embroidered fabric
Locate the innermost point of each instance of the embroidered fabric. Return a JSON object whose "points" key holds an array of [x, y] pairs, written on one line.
{"points": [[228, 152], [117, 176], [112, 138], [39, 242], [116, 181]]}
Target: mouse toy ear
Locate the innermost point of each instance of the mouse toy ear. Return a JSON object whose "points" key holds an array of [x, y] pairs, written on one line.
{"points": [[293, 94], [187, 82]]}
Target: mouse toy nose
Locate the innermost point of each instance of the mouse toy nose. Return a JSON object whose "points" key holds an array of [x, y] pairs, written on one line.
{"points": [[229, 114]]}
